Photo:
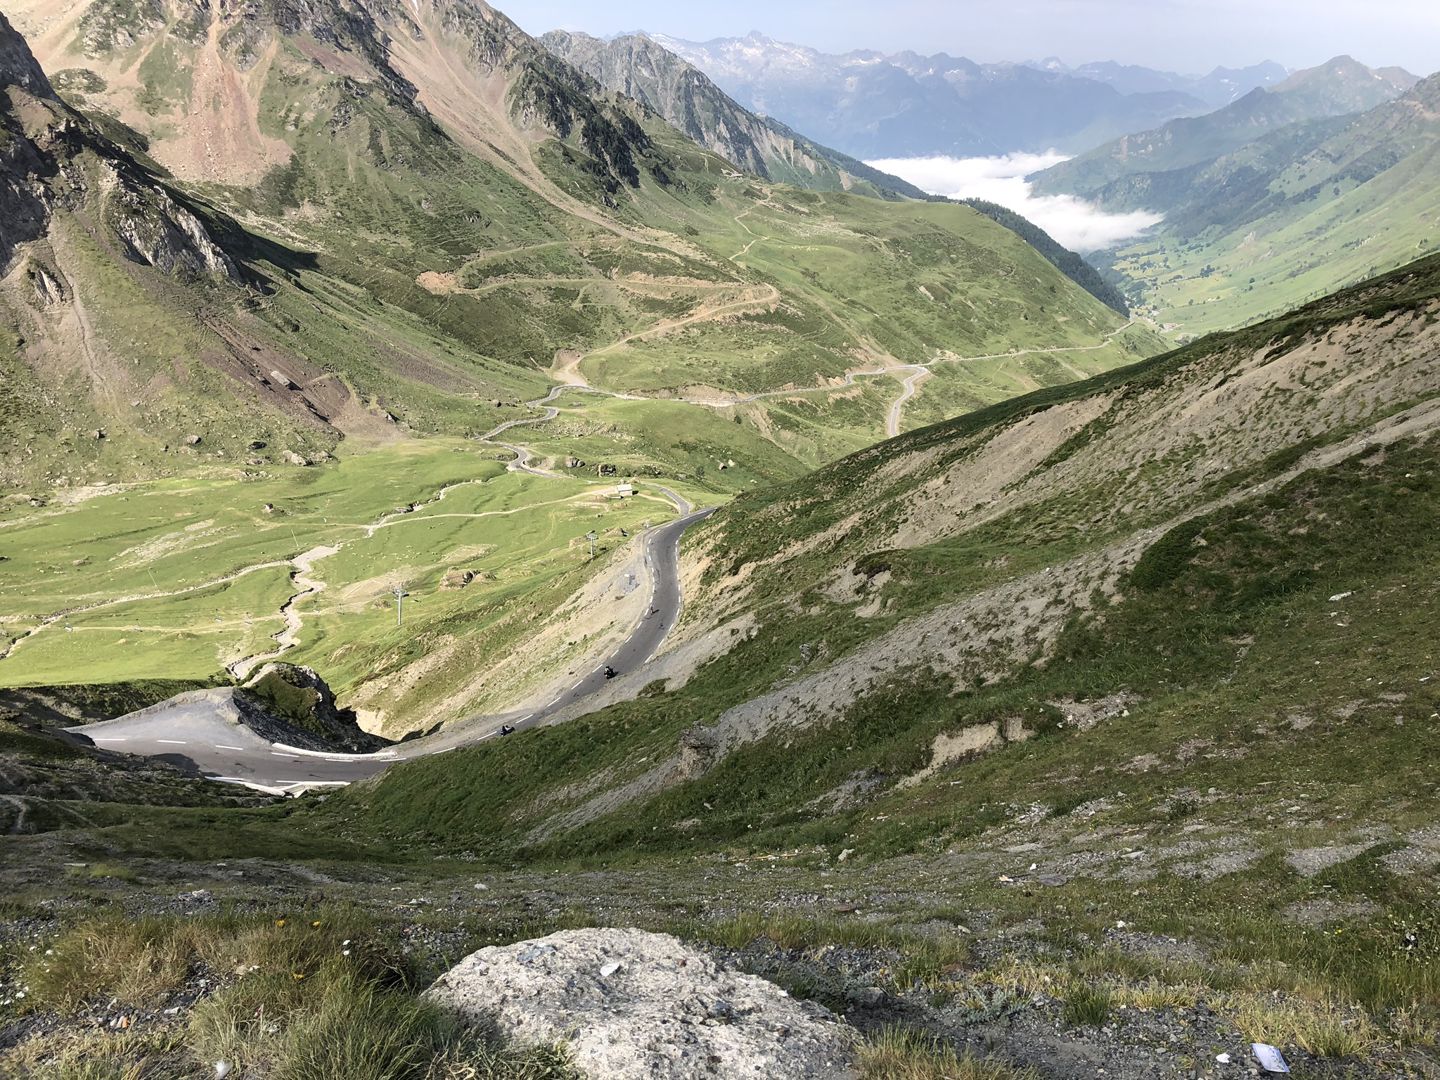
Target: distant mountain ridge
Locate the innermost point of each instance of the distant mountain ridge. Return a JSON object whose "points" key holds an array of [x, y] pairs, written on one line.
{"points": [[1336, 88], [1218, 88], [641, 69], [1297, 212], [871, 105]]}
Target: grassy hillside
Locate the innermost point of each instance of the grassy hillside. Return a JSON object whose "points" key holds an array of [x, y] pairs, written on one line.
{"points": [[1282, 220], [1103, 712], [971, 555], [1296, 218]]}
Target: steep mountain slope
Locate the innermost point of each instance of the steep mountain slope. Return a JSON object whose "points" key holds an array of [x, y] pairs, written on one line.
{"points": [[1337, 88], [450, 169], [637, 67], [108, 278], [453, 235], [873, 106], [1068, 262], [1118, 537], [1310, 207], [1099, 655]]}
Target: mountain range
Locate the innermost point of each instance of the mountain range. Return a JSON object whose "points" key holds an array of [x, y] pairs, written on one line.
{"points": [[1336, 88], [1283, 196], [1218, 88], [347, 147], [871, 105], [641, 69]]}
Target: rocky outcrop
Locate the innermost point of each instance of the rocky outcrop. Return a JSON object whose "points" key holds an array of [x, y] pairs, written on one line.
{"points": [[158, 231], [629, 1004], [18, 66], [641, 69], [53, 160], [299, 698]]}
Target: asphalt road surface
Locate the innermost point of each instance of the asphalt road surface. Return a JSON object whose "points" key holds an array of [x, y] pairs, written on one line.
{"points": [[200, 730]]}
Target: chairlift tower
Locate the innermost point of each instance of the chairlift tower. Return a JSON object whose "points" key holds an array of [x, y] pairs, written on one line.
{"points": [[399, 594]]}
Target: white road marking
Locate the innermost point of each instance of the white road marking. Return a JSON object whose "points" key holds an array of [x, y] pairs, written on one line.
{"points": [[222, 746], [171, 742], [331, 755]]}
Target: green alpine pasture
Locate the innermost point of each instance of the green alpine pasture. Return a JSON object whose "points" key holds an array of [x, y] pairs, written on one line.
{"points": [[183, 578]]}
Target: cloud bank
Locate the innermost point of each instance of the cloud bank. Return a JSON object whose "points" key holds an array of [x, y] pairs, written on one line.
{"points": [[1079, 225]]}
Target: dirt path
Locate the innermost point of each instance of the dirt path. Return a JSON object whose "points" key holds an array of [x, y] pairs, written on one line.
{"points": [[136, 598], [288, 638], [909, 387], [769, 296], [755, 237], [925, 370], [567, 370]]}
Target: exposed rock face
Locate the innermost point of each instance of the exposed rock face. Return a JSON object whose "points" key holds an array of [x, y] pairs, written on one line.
{"points": [[52, 159], [159, 232], [18, 66], [639, 68], [631, 1004], [299, 697], [24, 209]]}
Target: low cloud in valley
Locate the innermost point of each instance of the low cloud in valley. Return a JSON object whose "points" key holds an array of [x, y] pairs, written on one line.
{"points": [[1079, 225]]}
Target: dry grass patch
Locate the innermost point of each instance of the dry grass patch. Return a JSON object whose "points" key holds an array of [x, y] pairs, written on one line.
{"points": [[304, 998], [1325, 1028], [900, 1054]]}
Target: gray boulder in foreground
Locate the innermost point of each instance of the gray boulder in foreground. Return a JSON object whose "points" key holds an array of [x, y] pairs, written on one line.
{"points": [[628, 1003]]}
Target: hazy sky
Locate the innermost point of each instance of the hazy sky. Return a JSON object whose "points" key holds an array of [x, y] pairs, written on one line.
{"points": [[1183, 35]]}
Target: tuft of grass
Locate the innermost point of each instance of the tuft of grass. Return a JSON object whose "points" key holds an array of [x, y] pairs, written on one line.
{"points": [[138, 962], [125, 1056], [1087, 1004], [309, 997], [904, 1054], [142, 962]]}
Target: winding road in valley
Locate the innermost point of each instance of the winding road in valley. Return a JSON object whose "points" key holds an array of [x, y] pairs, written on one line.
{"points": [[202, 730]]}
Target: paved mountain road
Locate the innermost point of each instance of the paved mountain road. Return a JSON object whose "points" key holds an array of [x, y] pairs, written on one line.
{"points": [[202, 729]]}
